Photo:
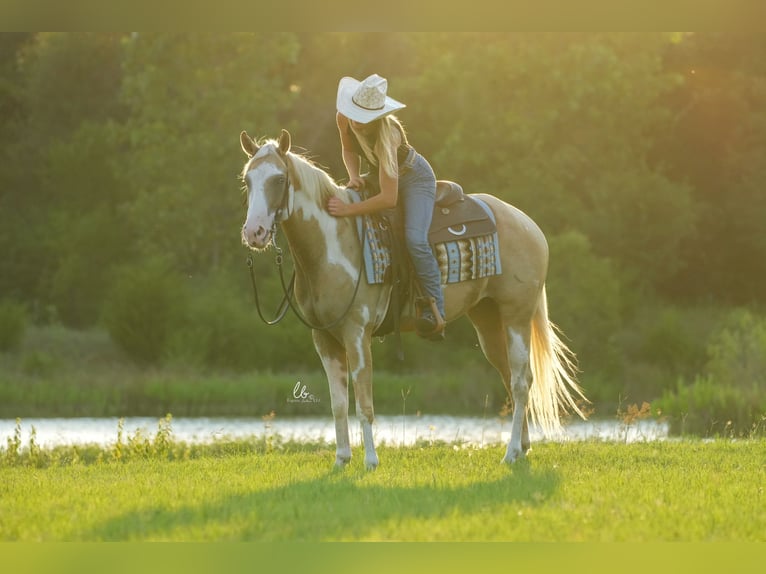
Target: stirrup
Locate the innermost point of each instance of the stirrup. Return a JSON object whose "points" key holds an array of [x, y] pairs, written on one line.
{"points": [[437, 333]]}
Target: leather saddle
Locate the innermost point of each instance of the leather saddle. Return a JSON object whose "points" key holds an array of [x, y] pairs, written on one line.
{"points": [[456, 215]]}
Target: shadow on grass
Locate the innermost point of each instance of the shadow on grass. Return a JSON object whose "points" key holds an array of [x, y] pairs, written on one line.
{"points": [[335, 506]]}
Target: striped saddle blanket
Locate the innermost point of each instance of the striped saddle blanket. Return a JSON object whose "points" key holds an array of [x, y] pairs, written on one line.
{"points": [[463, 236]]}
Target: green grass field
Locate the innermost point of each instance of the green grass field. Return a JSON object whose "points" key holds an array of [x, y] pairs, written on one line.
{"points": [[685, 490]]}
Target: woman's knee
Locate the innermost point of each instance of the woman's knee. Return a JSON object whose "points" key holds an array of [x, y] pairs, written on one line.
{"points": [[416, 231], [417, 240]]}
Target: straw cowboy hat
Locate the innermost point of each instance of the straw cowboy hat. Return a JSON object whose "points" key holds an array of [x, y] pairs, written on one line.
{"points": [[365, 101]]}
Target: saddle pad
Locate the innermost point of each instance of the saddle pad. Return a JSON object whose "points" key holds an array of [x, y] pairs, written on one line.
{"points": [[467, 259], [462, 257], [376, 252]]}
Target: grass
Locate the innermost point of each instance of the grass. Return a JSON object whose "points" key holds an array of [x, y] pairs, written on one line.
{"points": [[686, 490]]}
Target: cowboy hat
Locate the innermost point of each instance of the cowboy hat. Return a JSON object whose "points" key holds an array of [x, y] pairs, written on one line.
{"points": [[365, 101]]}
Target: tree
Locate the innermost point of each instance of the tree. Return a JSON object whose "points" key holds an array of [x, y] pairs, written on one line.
{"points": [[189, 96], [718, 145], [563, 126], [17, 273], [62, 82]]}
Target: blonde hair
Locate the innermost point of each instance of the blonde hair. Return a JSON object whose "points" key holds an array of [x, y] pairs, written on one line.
{"points": [[390, 135]]}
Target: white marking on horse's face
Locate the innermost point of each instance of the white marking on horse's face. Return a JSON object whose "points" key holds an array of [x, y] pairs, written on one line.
{"points": [[265, 187]]}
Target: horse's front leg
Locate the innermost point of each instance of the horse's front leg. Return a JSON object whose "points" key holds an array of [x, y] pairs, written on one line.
{"points": [[360, 369], [333, 357]]}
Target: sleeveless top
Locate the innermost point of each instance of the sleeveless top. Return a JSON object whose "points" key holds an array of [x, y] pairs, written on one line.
{"points": [[402, 152]]}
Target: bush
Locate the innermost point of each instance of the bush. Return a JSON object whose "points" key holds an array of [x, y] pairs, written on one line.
{"points": [[13, 323], [144, 308], [671, 341], [78, 287], [217, 331], [76, 292], [660, 344], [731, 396], [737, 355], [708, 408]]}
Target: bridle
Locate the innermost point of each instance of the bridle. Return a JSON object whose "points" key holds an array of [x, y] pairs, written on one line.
{"points": [[288, 288], [283, 211]]}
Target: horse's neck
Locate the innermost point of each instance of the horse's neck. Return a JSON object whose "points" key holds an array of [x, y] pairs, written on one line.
{"points": [[320, 242]]}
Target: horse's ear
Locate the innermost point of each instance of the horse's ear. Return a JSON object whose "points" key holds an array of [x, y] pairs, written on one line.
{"points": [[284, 142], [248, 144]]}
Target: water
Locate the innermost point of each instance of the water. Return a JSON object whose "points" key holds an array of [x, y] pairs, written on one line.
{"points": [[391, 430]]}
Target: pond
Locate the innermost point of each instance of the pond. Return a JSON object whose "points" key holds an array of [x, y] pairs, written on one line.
{"points": [[388, 429]]}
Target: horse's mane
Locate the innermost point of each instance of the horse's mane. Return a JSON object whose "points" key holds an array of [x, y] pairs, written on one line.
{"points": [[308, 176], [312, 179]]}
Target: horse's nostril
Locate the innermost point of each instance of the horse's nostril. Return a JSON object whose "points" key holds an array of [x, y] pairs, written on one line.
{"points": [[254, 235]]}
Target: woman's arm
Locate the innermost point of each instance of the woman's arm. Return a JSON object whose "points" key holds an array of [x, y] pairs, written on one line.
{"points": [[389, 186], [386, 199], [351, 159]]}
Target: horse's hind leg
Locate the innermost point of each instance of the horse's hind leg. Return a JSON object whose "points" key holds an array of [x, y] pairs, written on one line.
{"points": [[333, 357], [507, 349], [521, 380], [526, 444]]}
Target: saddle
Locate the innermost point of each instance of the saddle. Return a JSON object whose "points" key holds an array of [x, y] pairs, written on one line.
{"points": [[463, 236], [457, 215]]}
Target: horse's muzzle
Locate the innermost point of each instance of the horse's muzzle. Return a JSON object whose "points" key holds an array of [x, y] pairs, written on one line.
{"points": [[256, 237]]}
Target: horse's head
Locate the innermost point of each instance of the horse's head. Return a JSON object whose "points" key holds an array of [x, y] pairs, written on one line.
{"points": [[269, 189]]}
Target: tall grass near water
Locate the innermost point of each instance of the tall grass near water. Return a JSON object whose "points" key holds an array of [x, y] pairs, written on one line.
{"points": [[60, 372]]}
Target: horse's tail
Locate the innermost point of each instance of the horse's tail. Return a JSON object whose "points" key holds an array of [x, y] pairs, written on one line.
{"points": [[555, 390]]}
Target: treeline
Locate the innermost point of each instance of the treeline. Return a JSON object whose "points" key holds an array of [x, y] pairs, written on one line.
{"points": [[642, 157]]}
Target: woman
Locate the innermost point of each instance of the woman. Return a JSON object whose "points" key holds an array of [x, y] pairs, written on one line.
{"points": [[368, 128]]}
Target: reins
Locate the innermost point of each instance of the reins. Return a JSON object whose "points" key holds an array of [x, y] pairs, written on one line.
{"points": [[288, 289], [283, 306]]}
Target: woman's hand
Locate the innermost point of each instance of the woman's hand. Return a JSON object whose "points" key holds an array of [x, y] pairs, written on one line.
{"points": [[337, 207], [356, 183]]}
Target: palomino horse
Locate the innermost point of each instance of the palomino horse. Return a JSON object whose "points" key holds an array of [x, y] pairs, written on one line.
{"points": [[508, 311]]}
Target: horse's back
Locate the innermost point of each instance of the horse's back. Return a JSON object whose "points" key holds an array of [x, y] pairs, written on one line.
{"points": [[519, 236]]}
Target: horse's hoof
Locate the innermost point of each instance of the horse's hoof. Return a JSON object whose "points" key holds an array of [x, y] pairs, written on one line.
{"points": [[341, 463], [371, 465], [512, 456]]}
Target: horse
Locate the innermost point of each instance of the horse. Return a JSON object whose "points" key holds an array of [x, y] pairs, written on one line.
{"points": [[509, 311]]}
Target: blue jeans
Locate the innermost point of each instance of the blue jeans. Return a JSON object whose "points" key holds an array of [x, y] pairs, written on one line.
{"points": [[417, 189]]}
